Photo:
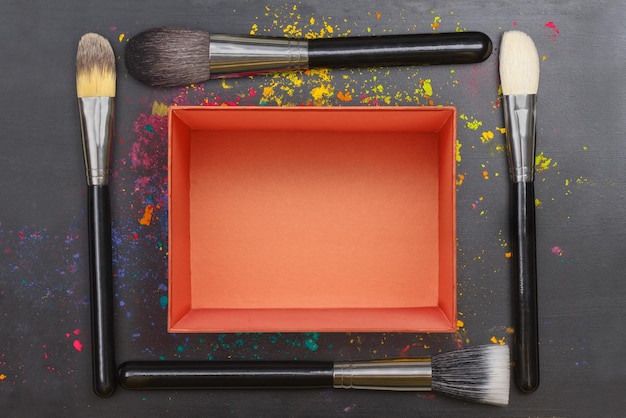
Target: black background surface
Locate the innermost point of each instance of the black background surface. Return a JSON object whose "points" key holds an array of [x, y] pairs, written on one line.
{"points": [[45, 365]]}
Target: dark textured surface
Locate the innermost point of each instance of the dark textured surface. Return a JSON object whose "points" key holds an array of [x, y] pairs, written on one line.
{"points": [[45, 361]]}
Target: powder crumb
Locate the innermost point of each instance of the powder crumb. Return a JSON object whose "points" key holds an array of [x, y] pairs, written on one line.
{"points": [[147, 215]]}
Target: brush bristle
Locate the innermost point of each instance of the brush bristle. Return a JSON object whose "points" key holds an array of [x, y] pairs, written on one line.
{"points": [[95, 67], [478, 374], [168, 57], [519, 64]]}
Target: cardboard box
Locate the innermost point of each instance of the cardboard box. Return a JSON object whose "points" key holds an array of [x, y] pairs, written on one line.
{"points": [[295, 219]]}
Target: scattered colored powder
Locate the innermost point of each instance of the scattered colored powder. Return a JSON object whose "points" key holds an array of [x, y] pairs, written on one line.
{"points": [[311, 341], [537, 203], [268, 94], [486, 137], [427, 87], [557, 251], [378, 15], [436, 22], [554, 30], [78, 345], [147, 215], [501, 130], [121, 37], [458, 151], [159, 109], [459, 323], [459, 179], [254, 29], [485, 175], [585, 148], [163, 301], [471, 123], [500, 341], [321, 93], [542, 163], [344, 97], [508, 254], [3, 376]]}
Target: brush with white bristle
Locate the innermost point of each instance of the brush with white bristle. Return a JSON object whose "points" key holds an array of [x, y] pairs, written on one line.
{"points": [[477, 374], [519, 73], [95, 88]]}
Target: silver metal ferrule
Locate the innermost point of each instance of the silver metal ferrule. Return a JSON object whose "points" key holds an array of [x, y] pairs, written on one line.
{"points": [[396, 375], [234, 56], [96, 123], [519, 121]]}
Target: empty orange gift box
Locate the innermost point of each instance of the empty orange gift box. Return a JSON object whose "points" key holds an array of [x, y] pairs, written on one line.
{"points": [[295, 219]]}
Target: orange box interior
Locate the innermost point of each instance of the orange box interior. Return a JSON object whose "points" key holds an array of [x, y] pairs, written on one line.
{"points": [[297, 219]]}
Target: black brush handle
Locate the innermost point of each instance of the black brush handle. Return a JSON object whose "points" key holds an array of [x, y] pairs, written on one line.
{"points": [[101, 288], [525, 294], [225, 374], [419, 49]]}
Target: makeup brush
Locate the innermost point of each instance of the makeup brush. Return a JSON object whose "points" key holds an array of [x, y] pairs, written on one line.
{"points": [[478, 374], [167, 57], [519, 73], [95, 87]]}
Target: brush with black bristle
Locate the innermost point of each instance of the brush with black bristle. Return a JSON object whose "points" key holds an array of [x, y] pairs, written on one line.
{"points": [[168, 57], [477, 374], [95, 88], [519, 73]]}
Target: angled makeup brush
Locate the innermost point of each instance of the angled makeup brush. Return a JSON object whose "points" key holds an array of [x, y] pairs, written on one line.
{"points": [[95, 87], [168, 57], [477, 374], [519, 73]]}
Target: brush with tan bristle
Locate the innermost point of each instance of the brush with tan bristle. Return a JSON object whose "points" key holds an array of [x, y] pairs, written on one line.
{"points": [[519, 73], [95, 88]]}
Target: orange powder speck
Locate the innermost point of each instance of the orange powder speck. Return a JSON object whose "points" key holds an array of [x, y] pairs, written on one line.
{"points": [[486, 137], [436, 22], [486, 175], [497, 341], [459, 323], [344, 97], [378, 15], [147, 216], [3, 376], [459, 179], [508, 255]]}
